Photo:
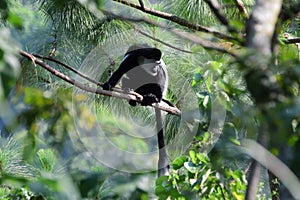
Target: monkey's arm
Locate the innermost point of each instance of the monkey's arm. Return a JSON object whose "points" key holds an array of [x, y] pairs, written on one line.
{"points": [[127, 64], [113, 80]]}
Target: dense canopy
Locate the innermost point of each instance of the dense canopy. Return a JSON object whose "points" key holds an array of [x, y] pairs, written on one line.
{"points": [[234, 73]]}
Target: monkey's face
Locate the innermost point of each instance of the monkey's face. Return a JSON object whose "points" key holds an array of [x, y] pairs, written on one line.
{"points": [[150, 66]]}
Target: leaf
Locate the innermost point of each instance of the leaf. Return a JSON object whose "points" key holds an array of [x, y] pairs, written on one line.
{"points": [[238, 196], [215, 66], [191, 167], [235, 141], [47, 159], [203, 157], [193, 156], [197, 79], [161, 180], [179, 162], [161, 189]]}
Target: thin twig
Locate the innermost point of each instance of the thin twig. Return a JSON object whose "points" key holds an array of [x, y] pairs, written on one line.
{"points": [[54, 43], [54, 46], [204, 43], [240, 5], [142, 4], [70, 68], [292, 40], [216, 8], [162, 42], [161, 105]]}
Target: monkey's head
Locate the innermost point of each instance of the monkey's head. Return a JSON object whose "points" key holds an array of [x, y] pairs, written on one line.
{"points": [[140, 49]]}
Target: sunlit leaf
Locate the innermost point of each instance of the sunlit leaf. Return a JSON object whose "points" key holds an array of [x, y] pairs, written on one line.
{"points": [[192, 154], [179, 162], [203, 157], [235, 141], [191, 167]]}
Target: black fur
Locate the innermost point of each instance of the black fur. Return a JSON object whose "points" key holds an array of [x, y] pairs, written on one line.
{"points": [[143, 71], [149, 81]]}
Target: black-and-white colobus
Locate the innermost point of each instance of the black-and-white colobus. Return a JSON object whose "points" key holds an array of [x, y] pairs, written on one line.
{"points": [[143, 71]]}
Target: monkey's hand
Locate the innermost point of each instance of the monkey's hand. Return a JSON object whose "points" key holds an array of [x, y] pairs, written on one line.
{"points": [[106, 86]]}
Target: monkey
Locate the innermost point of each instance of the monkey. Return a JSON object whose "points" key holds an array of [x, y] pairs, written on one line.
{"points": [[143, 71]]}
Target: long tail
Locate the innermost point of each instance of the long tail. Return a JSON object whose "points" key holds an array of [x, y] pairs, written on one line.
{"points": [[163, 163]]}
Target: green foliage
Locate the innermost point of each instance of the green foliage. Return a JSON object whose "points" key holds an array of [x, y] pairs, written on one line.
{"points": [[47, 159], [27, 162], [14, 14], [7, 193], [67, 14], [105, 28], [4, 9], [9, 65], [198, 12], [44, 157], [193, 10], [195, 176], [12, 163], [35, 163]]}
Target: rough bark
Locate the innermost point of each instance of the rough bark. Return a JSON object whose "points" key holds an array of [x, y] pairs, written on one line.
{"points": [[260, 81], [261, 26]]}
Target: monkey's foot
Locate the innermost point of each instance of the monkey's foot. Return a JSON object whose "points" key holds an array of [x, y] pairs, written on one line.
{"points": [[128, 90], [106, 86], [149, 99]]}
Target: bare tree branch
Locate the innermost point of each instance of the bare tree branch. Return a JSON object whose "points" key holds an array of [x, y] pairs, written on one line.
{"points": [[176, 19], [292, 40], [142, 4], [216, 8], [55, 29], [35, 60], [240, 5], [69, 67], [54, 45]]}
